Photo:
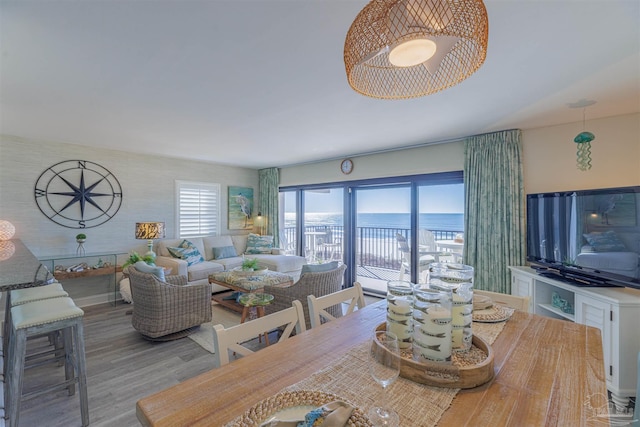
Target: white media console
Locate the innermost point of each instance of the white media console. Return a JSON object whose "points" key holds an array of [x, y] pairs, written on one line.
{"points": [[615, 311]]}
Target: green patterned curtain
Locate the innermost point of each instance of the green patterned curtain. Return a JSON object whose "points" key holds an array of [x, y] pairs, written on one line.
{"points": [[269, 181], [494, 208]]}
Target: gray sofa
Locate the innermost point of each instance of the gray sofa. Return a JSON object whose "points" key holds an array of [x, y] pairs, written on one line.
{"points": [[199, 273]]}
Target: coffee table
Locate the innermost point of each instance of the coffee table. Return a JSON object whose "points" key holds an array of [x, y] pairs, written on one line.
{"points": [[245, 284]]}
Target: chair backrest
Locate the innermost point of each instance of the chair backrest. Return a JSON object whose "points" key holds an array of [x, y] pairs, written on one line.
{"points": [[511, 301], [230, 339], [403, 245], [318, 305], [427, 240]]}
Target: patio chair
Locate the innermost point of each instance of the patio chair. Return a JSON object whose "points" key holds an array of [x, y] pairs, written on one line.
{"points": [[231, 339], [317, 283], [318, 305], [167, 310], [426, 257], [331, 246]]}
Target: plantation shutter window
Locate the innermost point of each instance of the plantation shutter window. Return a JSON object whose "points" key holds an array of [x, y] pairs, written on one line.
{"points": [[198, 208]]}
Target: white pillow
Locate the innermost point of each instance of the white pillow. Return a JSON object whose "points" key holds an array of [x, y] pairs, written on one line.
{"points": [[125, 290]]}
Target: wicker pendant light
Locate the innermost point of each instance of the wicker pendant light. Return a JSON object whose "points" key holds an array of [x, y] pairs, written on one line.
{"points": [[397, 49]]}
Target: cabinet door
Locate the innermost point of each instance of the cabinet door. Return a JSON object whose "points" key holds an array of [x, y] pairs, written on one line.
{"points": [[522, 286], [592, 312]]}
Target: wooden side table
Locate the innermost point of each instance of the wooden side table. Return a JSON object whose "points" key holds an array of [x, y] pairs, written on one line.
{"points": [[259, 301]]}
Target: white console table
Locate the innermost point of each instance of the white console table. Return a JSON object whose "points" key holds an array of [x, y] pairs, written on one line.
{"points": [[615, 311]]}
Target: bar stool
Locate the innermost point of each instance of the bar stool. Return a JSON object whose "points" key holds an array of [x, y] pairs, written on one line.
{"points": [[41, 317], [26, 295]]}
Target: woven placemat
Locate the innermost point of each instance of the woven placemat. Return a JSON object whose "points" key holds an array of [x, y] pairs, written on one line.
{"points": [[416, 404]]}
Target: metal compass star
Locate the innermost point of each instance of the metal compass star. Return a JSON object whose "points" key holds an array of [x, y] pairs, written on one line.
{"points": [[82, 194]]}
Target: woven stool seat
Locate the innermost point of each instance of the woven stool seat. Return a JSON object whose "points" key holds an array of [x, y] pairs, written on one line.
{"points": [[54, 315]]}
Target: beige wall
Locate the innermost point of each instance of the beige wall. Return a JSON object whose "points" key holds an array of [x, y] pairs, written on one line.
{"points": [[549, 159], [435, 158], [147, 181], [549, 155]]}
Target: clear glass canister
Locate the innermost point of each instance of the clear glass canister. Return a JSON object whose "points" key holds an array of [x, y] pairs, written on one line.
{"points": [[458, 280], [399, 311]]}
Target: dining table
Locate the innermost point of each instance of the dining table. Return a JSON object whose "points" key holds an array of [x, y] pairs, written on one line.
{"points": [[546, 372]]}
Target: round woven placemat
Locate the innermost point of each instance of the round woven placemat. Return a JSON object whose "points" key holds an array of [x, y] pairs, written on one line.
{"points": [[269, 406], [497, 313]]}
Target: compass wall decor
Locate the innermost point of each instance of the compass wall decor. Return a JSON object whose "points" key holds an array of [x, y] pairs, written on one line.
{"points": [[78, 194]]}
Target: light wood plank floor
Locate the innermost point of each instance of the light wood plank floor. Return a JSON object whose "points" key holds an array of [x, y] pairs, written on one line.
{"points": [[122, 368]]}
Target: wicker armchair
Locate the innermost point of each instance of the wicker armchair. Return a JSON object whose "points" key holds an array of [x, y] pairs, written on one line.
{"points": [[168, 310], [317, 284]]}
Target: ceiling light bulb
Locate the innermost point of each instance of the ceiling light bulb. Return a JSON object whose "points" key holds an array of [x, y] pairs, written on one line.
{"points": [[412, 52]]}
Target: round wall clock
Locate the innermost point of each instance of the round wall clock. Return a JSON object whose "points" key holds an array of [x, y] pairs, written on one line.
{"points": [[346, 166], [78, 194]]}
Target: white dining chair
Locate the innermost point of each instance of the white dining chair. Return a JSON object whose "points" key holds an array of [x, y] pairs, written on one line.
{"points": [[318, 305], [231, 339], [511, 301]]}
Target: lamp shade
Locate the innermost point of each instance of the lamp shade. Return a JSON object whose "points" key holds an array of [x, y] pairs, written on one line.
{"points": [[7, 230], [409, 48], [149, 230]]}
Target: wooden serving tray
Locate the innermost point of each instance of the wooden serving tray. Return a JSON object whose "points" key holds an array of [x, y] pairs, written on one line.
{"points": [[447, 375]]}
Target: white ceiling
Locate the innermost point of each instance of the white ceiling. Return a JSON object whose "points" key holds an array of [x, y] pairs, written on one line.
{"points": [[262, 83]]}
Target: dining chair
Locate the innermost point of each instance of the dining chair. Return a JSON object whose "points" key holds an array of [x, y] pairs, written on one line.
{"points": [[318, 305], [231, 339], [511, 301]]}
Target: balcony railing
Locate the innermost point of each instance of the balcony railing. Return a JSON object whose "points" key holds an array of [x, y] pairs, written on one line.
{"points": [[375, 246]]}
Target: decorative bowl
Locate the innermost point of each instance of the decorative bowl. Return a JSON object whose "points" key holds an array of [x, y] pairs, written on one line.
{"points": [[462, 373], [238, 271]]}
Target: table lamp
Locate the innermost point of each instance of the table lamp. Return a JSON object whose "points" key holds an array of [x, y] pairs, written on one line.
{"points": [[149, 231]]}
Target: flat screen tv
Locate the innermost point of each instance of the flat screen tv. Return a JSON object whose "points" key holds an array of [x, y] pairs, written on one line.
{"points": [[586, 237]]}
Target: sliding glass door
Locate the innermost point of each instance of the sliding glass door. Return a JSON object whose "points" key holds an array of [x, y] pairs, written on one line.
{"points": [[383, 218], [383, 229]]}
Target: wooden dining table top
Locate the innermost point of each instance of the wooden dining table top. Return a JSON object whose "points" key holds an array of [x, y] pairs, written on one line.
{"points": [[547, 372]]}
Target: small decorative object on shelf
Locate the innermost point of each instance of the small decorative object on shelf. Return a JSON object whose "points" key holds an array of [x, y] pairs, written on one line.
{"points": [[558, 302], [81, 238]]}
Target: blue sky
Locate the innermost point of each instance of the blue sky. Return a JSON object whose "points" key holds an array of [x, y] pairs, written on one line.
{"points": [[433, 199]]}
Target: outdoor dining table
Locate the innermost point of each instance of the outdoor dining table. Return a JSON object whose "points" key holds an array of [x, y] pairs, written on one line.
{"points": [[547, 372]]}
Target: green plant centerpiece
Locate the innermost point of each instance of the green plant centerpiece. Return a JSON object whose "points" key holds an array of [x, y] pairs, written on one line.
{"points": [[135, 257], [250, 264], [81, 237]]}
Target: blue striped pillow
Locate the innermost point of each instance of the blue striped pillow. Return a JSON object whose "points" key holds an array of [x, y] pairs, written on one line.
{"points": [[257, 244], [186, 251]]}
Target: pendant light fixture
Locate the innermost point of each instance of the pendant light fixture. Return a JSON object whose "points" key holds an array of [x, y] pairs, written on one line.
{"points": [[584, 138], [398, 49]]}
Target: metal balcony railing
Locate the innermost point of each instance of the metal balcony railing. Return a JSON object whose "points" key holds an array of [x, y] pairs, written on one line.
{"points": [[375, 246]]}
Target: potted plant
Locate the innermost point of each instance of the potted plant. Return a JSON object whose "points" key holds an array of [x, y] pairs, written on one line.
{"points": [[80, 238], [135, 257], [250, 264]]}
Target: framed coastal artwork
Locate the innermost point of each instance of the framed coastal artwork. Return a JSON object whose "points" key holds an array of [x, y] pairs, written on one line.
{"points": [[240, 208]]}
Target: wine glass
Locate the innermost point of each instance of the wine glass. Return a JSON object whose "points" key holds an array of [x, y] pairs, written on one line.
{"points": [[384, 366]]}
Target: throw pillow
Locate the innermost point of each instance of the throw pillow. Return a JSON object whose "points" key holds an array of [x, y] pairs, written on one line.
{"points": [[224, 252], [257, 244], [143, 267], [607, 241], [188, 252], [318, 268]]}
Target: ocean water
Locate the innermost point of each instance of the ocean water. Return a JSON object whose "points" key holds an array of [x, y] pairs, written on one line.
{"points": [[430, 221]]}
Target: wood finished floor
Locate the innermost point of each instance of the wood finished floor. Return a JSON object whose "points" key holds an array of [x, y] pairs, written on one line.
{"points": [[122, 367]]}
